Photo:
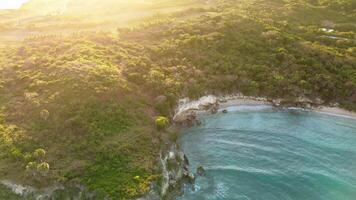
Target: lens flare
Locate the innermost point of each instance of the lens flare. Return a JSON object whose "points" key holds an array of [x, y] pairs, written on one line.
{"points": [[11, 4]]}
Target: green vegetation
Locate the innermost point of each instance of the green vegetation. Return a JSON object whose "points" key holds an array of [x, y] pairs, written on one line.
{"points": [[8, 194], [162, 122], [81, 108], [111, 176]]}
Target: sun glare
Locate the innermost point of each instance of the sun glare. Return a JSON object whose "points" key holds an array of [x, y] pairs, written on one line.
{"points": [[11, 4]]}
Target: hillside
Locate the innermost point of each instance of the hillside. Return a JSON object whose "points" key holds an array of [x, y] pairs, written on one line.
{"points": [[43, 17], [89, 100]]}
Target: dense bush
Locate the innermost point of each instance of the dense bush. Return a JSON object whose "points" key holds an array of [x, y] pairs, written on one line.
{"points": [[162, 122]]}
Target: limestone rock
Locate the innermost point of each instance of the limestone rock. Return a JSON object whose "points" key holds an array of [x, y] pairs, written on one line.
{"points": [[187, 110]]}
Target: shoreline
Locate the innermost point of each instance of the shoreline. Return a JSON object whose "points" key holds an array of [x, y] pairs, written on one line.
{"points": [[335, 111], [326, 110], [242, 102], [188, 111]]}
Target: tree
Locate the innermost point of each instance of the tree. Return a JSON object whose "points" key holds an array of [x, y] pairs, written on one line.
{"points": [[162, 122], [39, 154]]}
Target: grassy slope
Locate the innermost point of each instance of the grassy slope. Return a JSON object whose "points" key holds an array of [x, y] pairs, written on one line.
{"points": [[89, 99]]}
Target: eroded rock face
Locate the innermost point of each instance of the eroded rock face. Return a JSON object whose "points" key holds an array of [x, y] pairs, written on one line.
{"points": [[175, 172], [277, 102], [152, 195], [319, 101], [300, 102], [187, 111], [17, 188]]}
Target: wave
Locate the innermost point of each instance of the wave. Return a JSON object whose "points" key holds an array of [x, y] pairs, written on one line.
{"points": [[336, 115], [242, 144], [283, 154], [241, 169], [311, 175]]}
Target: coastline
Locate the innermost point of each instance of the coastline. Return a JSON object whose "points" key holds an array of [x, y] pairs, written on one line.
{"points": [[326, 110], [189, 111], [231, 130], [241, 102], [335, 111]]}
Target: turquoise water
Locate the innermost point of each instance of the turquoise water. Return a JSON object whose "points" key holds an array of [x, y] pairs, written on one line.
{"points": [[261, 153]]}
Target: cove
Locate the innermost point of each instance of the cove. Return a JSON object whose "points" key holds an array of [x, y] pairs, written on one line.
{"points": [[262, 152]]}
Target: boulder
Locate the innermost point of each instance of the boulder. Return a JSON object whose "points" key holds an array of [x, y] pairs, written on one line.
{"points": [[304, 102], [277, 102], [201, 171], [160, 99], [319, 101]]}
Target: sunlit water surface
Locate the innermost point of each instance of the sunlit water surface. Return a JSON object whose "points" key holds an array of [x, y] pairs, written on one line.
{"points": [[260, 153]]}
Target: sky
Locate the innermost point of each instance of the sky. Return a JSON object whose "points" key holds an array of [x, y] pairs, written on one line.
{"points": [[11, 4]]}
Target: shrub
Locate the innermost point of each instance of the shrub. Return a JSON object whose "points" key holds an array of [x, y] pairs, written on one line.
{"points": [[39, 154], [162, 122], [16, 154], [43, 167], [44, 114], [31, 169], [27, 157], [31, 166]]}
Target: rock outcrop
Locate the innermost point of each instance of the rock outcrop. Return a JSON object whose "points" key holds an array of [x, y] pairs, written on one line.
{"points": [[300, 102], [188, 111], [175, 172], [200, 171]]}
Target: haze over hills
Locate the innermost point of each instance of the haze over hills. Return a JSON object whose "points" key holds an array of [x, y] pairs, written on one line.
{"points": [[80, 7], [68, 16], [11, 4], [41, 7]]}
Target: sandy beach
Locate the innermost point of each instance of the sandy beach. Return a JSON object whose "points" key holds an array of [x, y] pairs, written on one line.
{"points": [[335, 111], [210, 104], [238, 102]]}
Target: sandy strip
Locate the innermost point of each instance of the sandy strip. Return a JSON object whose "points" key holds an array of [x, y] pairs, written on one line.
{"points": [[335, 111], [240, 102], [186, 107]]}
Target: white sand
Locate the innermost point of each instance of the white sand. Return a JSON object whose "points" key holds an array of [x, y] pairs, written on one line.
{"points": [[336, 112], [239, 100]]}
